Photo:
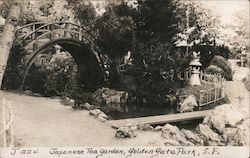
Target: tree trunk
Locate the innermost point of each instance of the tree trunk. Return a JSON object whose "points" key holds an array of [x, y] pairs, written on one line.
{"points": [[7, 37]]}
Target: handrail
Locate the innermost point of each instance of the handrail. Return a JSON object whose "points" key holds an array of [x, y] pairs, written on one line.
{"points": [[28, 25], [49, 24]]}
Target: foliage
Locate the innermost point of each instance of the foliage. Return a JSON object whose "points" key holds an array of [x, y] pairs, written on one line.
{"points": [[212, 69], [113, 22], [115, 30], [209, 51], [54, 74], [85, 12], [155, 20], [12, 75], [48, 11], [5, 8], [222, 63]]}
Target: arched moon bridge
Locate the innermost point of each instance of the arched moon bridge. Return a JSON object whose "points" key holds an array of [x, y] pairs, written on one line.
{"points": [[77, 40]]}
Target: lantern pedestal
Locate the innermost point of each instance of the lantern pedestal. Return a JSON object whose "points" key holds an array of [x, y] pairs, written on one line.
{"points": [[195, 66]]}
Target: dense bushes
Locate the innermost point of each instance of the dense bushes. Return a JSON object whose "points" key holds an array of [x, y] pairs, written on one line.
{"points": [[12, 76], [5, 8], [53, 74], [222, 63], [212, 69]]}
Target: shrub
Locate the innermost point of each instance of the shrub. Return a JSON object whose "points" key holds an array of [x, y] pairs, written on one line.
{"points": [[12, 75], [54, 74], [222, 63], [247, 82], [212, 69]]}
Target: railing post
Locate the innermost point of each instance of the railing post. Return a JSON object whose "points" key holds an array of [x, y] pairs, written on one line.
{"points": [[200, 99], [201, 76], [215, 94], [33, 29], [67, 30], [80, 34]]}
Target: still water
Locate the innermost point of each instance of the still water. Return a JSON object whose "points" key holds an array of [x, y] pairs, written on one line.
{"points": [[125, 111]]}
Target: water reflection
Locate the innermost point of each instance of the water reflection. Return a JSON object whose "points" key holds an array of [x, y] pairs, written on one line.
{"points": [[133, 110]]}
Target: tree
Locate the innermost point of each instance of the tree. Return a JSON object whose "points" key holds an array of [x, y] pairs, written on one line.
{"points": [[115, 34], [7, 37], [84, 11], [47, 11]]}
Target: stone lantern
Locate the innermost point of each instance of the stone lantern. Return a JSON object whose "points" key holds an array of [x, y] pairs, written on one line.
{"points": [[195, 67]]}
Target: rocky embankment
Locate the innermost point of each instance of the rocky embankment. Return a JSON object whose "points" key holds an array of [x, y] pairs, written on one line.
{"points": [[225, 126]]}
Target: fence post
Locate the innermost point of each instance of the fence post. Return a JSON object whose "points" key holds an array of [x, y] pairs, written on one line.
{"points": [[200, 99], [11, 125], [215, 95], [4, 123]]}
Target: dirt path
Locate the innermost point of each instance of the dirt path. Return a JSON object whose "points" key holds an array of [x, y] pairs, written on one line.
{"points": [[45, 122], [236, 90]]}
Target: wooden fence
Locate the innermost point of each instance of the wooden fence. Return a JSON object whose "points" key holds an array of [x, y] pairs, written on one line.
{"points": [[204, 77], [211, 95], [6, 132]]}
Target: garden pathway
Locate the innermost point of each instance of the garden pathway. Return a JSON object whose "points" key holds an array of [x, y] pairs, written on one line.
{"points": [[236, 90], [46, 122]]}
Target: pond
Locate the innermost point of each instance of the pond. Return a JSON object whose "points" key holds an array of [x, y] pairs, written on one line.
{"points": [[143, 110], [134, 110]]}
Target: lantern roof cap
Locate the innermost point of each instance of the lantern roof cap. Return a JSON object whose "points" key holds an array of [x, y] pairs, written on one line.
{"points": [[195, 63]]}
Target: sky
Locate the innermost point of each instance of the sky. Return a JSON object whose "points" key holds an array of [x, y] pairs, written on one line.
{"points": [[227, 8]]}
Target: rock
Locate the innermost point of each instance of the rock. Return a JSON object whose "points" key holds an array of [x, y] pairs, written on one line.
{"points": [[158, 128], [145, 127], [171, 142], [228, 135], [37, 95], [131, 126], [188, 104], [69, 102], [103, 115], [95, 112], [72, 102], [208, 135], [125, 132], [222, 116], [173, 132], [192, 137], [241, 138], [170, 99], [101, 118], [2, 21], [87, 106], [110, 96]]}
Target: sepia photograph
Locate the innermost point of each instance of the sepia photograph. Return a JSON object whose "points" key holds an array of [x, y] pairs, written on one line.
{"points": [[124, 73]]}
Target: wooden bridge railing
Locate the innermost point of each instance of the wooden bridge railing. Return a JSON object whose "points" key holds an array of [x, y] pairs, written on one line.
{"points": [[22, 31], [67, 27], [6, 132]]}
